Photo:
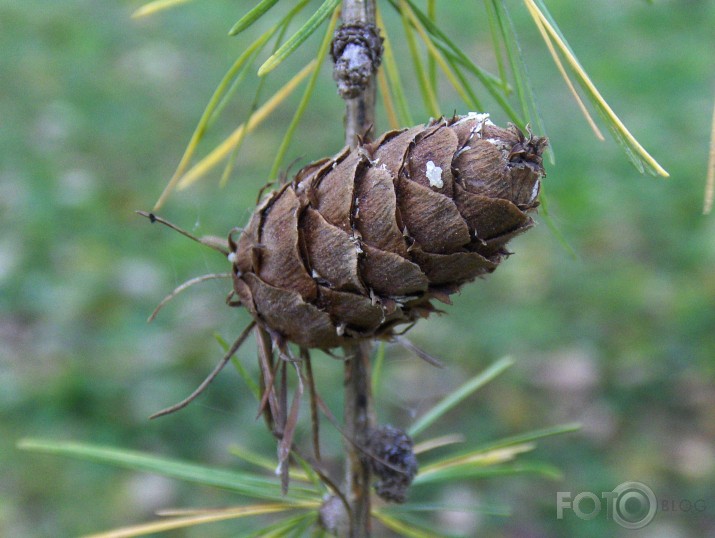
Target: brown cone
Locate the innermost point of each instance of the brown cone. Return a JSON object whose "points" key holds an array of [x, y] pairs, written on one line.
{"points": [[361, 243]]}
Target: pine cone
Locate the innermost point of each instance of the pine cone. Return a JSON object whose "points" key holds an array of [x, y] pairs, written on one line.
{"points": [[392, 461], [360, 243]]}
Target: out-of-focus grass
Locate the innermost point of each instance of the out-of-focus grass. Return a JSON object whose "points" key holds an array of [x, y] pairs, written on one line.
{"points": [[95, 110]]}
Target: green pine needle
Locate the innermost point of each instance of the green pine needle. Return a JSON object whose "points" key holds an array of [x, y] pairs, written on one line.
{"points": [[190, 518], [553, 37], [492, 84], [495, 32], [393, 76], [553, 227], [439, 507], [428, 95], [228, 169], [435, 56], [409, 530], [464, 472], [245, 483], [305, 31], [286, 527], [459, 395], [524, 92], [531, 436], [307, 94], [252, 16], [229, 83], [157, 5]]}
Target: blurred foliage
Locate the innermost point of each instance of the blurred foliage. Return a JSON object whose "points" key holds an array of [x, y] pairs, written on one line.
{"points": [[96, 109]]}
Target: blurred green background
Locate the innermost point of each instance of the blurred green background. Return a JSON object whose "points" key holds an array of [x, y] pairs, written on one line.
{"points": [[95, 110]]}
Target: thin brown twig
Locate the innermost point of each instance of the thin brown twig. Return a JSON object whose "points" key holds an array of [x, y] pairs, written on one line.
{"points": [[205, 383], [367, 452], [182, 287], [265, 354], [268, 399], [286, 442], [283, 465], [324, 477], [422, 354], [315, 422], [209, 243]]}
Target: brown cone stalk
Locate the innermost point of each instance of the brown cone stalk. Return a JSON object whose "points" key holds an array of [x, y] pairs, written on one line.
{"points": [[360, 243]]}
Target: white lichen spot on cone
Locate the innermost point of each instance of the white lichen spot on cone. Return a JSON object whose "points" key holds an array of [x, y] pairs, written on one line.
{"points": [[434, 175]]}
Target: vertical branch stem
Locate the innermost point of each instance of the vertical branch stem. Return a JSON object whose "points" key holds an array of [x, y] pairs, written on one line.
{"points": [[357, 62], [359, 419], [360, 116]]}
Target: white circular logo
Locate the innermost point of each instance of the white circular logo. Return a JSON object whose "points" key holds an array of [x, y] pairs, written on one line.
{"points": [[634, 505]]}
